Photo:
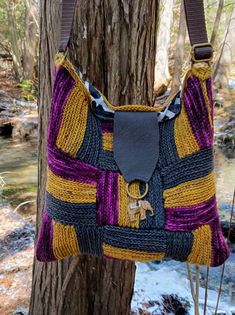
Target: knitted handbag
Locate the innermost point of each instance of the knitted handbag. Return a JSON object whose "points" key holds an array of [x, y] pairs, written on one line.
{"points": [[132, 182]]}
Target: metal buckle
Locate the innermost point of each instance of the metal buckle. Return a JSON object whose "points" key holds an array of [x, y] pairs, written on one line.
{"points": [[135, 197], [193, 58]]}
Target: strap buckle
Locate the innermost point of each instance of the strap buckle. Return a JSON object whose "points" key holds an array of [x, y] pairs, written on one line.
{"points": [[136, 197], [203, 49]]}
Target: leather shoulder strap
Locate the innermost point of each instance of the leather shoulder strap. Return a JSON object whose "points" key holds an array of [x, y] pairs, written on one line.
{"points": [[195, 17], [68, 8], [196, 24]]}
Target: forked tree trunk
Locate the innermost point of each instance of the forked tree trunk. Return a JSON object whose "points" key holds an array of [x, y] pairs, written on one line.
{"points": [[226, 56], [31, 39], [114, 44], [217, 22], [179, 50], [15, 47], [162, 74]]}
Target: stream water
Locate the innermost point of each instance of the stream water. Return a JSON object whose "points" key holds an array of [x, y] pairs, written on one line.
{"points": [[18, 171]]}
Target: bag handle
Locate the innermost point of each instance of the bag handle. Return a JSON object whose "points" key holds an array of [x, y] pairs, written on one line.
{"points": [[196, 24], [68, 8]]}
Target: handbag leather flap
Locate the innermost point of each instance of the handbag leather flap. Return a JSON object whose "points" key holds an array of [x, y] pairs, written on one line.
{"points": [[136, 144]]}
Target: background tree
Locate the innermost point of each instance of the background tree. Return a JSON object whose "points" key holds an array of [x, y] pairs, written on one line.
{"points": [[217, 22], [30, 39], [114, 44], [162, 75], [19, 36], [226, 55], [15, 49], [179, 50]]}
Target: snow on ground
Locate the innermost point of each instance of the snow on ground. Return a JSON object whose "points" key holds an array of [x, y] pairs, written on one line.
{"points": [[154, 280]]}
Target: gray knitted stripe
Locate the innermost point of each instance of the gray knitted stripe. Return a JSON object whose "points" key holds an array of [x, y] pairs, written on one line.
{"points": [[167, 149], [90, 148], [176, 245], [154, 196], [70, 213], [179, 245], [90, 240], [107, 162], [191, 167]]}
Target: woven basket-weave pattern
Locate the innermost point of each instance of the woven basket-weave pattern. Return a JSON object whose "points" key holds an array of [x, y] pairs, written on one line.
{"points": [[86, 199]]}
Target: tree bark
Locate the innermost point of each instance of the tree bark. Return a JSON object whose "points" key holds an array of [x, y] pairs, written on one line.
{"points": [[31, 39], [162, 74], [15, 50], [179, 51], [113, 43], [224, 61]]}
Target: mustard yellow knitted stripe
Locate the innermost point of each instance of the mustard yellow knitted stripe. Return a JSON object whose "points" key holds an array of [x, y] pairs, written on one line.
{"points": [[191, 192], [107, 141], [201, 251], [73, 125], [123, 218], [64, 240], [70, 191], [129, 254], [185, 140], [207, 101], [203, 74], [60, 60]]}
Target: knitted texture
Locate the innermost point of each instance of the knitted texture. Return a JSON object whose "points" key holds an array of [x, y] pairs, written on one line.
{"points": [[86, 208]]}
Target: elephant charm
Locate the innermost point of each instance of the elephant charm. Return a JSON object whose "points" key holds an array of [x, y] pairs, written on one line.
{"points": [[138, 209]]}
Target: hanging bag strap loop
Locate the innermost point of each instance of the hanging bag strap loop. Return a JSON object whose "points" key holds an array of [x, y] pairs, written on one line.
{"points": [[195, 17]]}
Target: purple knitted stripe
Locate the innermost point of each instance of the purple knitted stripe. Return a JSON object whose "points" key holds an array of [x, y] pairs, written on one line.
{"points": [[107, 198], [206, 128], [101, 198], [191, 217], [189, 102], [197, 112], [44, 246], [63, 85], [220, 249], [71, 169], [210, 95], [55, 70], [107, 126]]}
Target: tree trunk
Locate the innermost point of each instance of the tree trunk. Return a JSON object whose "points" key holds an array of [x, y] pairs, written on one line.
{"points": [[224, 62], [217, 22], [15, 50], [114, 44], [179, 51], [31, 38], [162, 75]]}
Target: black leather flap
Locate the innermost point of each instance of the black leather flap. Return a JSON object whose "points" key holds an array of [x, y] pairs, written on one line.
{"points": [[136, 144]]}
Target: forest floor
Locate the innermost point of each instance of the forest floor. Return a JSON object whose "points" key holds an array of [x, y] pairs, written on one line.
{"points": [[16, 260], [158, 287]]}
